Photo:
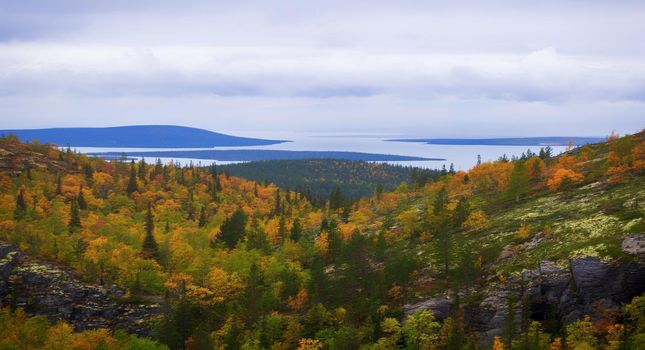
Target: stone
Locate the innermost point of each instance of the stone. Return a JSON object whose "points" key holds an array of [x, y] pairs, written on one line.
{"points": [[56, 293]]}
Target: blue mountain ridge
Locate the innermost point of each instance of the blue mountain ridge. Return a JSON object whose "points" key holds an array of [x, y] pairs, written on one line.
{"points": [[140, 136]]}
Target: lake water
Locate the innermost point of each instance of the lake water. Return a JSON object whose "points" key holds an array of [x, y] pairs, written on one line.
{"points": [[463, 157]]}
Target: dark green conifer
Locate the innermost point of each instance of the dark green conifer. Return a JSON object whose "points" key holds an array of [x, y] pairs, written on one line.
{"points": [[149, 248], [74, 217], [132, 183], [21, 206], [82, 203]]}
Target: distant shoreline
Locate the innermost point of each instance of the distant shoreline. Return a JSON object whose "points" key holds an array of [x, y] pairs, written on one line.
{"points": [[510, 141], [259, 155]]}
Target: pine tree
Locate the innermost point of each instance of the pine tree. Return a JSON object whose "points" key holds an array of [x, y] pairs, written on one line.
{"points": [[132, 183], [59, 185], [202, 217], [142, 170], [233, 229], [461, 212], [82, 203], [21, 206], [296, 230], [149, 248], [75, 217]]}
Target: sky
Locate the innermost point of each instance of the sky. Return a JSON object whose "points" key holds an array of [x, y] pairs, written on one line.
{"points": [[419, 68]]}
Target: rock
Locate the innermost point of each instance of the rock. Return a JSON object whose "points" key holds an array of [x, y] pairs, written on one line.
{"points": [[53, 291], [440, 307], [555, 294], [634, 245]]}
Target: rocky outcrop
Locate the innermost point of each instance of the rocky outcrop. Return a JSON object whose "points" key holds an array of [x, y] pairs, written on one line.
{"points": [[556, 294], [49, 290]]}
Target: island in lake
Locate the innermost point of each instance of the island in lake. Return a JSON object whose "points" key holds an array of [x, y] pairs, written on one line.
{"points": [[255, 155], [137, 136], [511, 141]]}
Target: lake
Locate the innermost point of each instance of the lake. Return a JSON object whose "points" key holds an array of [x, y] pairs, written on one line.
{"points": [[462, 156]]}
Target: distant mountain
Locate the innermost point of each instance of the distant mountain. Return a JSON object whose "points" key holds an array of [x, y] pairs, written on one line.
{"points": [[254, 154], [515, 141], [143, 136]]}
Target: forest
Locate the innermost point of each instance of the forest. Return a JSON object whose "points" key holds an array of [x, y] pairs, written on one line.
{"points": [[243, 264], [318, 179]]}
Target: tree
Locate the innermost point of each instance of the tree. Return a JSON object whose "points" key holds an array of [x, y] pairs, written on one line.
{"points": [[149, 248], [233, 229], [132, 183], [336, 199], [461, 212], [421, 331], [296, 230], [202, 217], [21, 206], [440, 201], [518, 184], [82, 203], [74, 217]]}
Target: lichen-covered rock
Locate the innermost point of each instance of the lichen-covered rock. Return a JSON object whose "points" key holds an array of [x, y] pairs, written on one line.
{"points": [[52, 291], [634, 245], [555, 293]]}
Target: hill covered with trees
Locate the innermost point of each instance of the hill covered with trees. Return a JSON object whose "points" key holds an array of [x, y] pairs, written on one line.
{"points": [[538, 252], [317, 179]]}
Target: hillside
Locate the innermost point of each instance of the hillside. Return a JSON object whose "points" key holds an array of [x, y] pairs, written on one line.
{"points": [[136, 136], [317, 179], [511, 253]]}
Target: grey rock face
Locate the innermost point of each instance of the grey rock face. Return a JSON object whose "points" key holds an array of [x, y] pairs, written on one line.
{"points": [[52, 291], [556, 295]]}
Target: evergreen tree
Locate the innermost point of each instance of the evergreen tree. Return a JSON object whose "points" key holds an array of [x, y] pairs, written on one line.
{"points": [[202, 217], [461, 212], [82, 203], [59, 185], [440, 201], [21, 206], [233, 229], [149, 249], [74, 216], [296, 230], [142, 170], [132, 183], [336, 199]]}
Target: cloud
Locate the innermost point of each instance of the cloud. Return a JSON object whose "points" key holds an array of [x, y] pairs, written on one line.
{"points": [[246, 64], [542, 75]]}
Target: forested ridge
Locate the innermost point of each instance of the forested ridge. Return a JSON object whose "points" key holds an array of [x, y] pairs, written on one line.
{"points": [[241, 264], [318, 179]]}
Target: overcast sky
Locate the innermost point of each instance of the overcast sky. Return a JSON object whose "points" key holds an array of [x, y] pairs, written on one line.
{"points": [[422, 68]]}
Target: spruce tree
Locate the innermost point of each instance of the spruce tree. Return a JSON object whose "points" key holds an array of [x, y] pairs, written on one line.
{"points": [[142, 170], [21, 206], [74, 217], [59, 185], [233, 229], [82, 203], [132, 183], [149, 248], [296, 230], [202, 217]]}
